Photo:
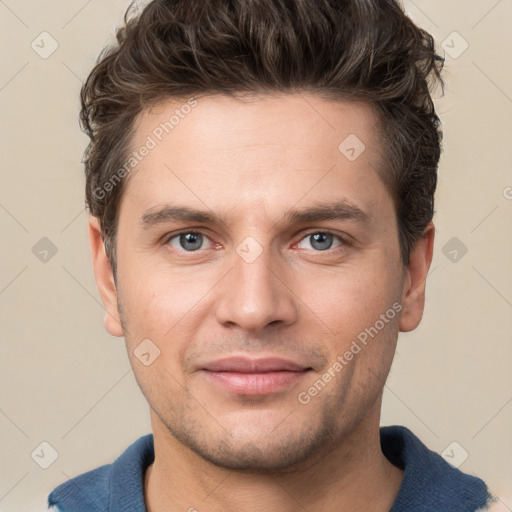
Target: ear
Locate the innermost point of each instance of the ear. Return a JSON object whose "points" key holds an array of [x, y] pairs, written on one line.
{"points": [[104, 278], [413, 294]]}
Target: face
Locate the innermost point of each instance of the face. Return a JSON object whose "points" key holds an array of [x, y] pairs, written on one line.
{"points": [[260, 288]]}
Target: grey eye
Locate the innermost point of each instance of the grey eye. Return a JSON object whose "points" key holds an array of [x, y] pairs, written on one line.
{"points": [[321, 241], [188, 241]]}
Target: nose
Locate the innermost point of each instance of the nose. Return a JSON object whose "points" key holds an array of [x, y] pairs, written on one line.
{"points": [[255, 295]]}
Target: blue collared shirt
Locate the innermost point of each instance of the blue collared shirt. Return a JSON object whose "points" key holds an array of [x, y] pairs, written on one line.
{"points": [[429, 483]]}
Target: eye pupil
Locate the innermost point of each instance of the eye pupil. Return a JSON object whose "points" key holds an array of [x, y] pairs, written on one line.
{"points": [[191, 241], [320, 238]]}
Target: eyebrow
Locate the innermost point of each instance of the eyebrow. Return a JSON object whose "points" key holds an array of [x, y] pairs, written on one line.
{"points": [[337, 210]]}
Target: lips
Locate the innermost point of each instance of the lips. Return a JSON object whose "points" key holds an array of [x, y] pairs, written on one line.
{"points": [[246, 365], [245, 376]]}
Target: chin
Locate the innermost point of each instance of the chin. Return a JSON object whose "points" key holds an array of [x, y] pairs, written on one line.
{"points": [[257, 452]]}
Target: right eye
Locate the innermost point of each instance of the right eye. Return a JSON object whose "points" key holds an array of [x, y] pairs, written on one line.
{"points": [[187, 241]]}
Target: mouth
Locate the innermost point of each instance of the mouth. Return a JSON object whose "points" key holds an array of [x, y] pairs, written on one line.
{"points": [[253, 377]]}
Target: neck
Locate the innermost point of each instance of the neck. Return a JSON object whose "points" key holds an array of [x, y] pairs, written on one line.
{"points": [[354, 475]]}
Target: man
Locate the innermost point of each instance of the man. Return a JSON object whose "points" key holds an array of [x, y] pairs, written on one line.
{"points": [[260, 179]]}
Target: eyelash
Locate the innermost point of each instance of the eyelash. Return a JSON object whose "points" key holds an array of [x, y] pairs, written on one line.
{"points": [[343, 240]]}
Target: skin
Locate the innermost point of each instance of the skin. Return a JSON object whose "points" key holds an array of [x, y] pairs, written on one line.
{"points": [[252, 162]]}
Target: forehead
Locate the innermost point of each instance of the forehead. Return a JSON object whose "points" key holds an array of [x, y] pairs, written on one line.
{"points": [[223, 123], [261, 150]]}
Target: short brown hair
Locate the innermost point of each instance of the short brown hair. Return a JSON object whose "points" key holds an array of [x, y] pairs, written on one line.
{"points": [[364, 50]]}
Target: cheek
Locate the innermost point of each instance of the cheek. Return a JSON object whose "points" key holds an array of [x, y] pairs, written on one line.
{"points": [[159, 301], [352, 295], [347, 308], [163, 303]]}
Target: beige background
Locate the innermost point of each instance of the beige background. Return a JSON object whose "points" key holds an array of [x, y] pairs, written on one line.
{"points": [[65, 381]]}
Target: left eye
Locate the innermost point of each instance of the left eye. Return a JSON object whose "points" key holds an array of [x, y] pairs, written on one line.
{"points": [[321, 240], [190, 241]]}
